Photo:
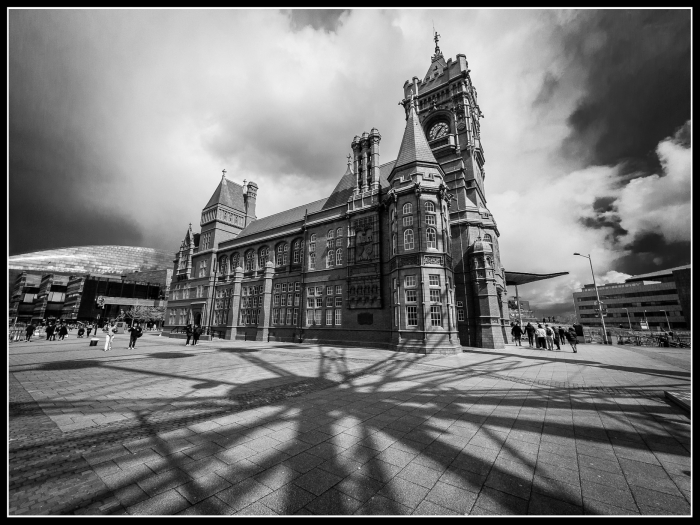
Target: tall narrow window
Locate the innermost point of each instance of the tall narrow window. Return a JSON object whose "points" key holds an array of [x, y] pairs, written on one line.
{"points": [[282, 254], [312, 252], [234, 261], [296, 252], [223, 265], [408, 239], [411, 316], [249, 261], [338, 233], [431, 238], [330, 258], [393, 244], [264, 257], [330, 242], [436, 316], [338, 256]]}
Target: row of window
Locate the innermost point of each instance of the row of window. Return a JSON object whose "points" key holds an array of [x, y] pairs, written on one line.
{"points": [[409, 240], [631, 305], [670, 291], [181, 291], [408, 220], [314, 317]]}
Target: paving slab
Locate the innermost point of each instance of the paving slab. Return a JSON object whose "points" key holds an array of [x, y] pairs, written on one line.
{"points": [[255, 428]]}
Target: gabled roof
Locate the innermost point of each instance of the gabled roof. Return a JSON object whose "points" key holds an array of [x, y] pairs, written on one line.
{"points": [[282, 218], [229, 194], [414, 146], [346, 184]]}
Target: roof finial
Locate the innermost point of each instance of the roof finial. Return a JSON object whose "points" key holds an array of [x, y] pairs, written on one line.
{"points": [[223, 174], [438, 53]]}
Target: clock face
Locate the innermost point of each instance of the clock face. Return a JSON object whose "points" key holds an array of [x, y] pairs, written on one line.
{"points": [[438, 130]]}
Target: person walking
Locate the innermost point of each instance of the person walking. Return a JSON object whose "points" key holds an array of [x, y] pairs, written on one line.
{"points": [[109, 330], [89, 329], [530, 330], [517, 333], [134, 333], [562, 335], [188, 333], [49, 332], [549, 336], [556, 338], [62, 332], [30, 332], [541, 335], [54, 330], [571, 337], [195, 334], [81, 331]]}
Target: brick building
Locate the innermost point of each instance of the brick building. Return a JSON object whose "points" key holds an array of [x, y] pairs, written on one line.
{"points": [[402, 254]]}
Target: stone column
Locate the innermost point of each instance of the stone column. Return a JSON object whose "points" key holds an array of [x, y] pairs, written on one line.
{"points": [[234, 311], [266, 309], [365, 171]]}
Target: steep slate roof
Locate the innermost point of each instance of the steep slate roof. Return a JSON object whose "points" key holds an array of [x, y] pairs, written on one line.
{"points": [[282, 218], [414, 146], [343, 189], [338, 197], [229, 194]]}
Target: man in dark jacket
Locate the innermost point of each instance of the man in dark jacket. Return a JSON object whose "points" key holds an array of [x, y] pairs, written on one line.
{"points": [[49, 332], [188, 333], [30, 332], [517, 333], [195, 334], [530, 330], [134, 333], [62, 332]]}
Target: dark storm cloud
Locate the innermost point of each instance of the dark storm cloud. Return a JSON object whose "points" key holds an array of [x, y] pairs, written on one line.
{"points": [[637, 84], [326, 19], [651, 252]]}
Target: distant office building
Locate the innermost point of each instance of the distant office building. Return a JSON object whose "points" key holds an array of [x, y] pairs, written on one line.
{"points": [[660, 299], [38, 298], [65, 283]]}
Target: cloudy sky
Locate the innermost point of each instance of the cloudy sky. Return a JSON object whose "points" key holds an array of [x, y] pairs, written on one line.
{"points": [[120, 122]]}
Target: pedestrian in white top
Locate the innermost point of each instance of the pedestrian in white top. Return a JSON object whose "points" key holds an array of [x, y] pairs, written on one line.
{"points": [[110, 333]]}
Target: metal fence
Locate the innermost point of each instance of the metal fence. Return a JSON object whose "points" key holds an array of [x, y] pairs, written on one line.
{"points": [[679, 339]]}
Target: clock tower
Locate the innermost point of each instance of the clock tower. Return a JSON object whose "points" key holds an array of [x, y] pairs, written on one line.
{"points": [[449, 114]]}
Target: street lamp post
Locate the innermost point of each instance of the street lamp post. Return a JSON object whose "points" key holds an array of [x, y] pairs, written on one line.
{"points": [[600, 310], [628, 318], [669, 324]]}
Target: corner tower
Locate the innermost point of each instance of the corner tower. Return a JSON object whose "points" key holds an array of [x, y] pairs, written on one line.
{"points": [[448, 111]]}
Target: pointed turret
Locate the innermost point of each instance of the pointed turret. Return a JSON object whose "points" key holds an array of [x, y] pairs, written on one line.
{"points": [[414, 146]]}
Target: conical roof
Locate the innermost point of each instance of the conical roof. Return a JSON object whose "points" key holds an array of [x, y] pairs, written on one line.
{"points": [[414, 146]]}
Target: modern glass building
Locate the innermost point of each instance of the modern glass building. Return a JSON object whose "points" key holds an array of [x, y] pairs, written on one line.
{"points": [[659, 299]]}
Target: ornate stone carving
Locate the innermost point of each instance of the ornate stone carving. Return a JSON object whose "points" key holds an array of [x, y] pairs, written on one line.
{"points": [[432, 259], [408, 260]]}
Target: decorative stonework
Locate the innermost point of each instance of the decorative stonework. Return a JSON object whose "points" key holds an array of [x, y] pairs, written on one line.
{"points": [[431, 259]]}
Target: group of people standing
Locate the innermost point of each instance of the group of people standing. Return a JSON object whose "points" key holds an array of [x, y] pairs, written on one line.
{"points": [[545, 337], [135, 331], [193, 333]]}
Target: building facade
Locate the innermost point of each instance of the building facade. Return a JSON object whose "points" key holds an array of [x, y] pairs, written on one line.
{"points": [[402, 254], [659, 299]]}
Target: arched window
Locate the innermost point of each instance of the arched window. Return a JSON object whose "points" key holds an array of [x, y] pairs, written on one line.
{"points": [[407, 208], [393, 244], [312, 238], [408, 239], [249, 261], [488, 238], [330, 241], [330, 258], [264, 256], [339, 256], [282, 254], [296, 252], [330, 234], [429, 207], [338, 233], [431, 237], [223, 265], [234, 261]]}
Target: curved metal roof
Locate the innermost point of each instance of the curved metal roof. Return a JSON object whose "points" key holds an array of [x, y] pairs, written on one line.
{"points": [[520, 278]]}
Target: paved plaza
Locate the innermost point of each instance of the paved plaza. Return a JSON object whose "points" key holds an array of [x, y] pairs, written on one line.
{"points": [[253, 428]]}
